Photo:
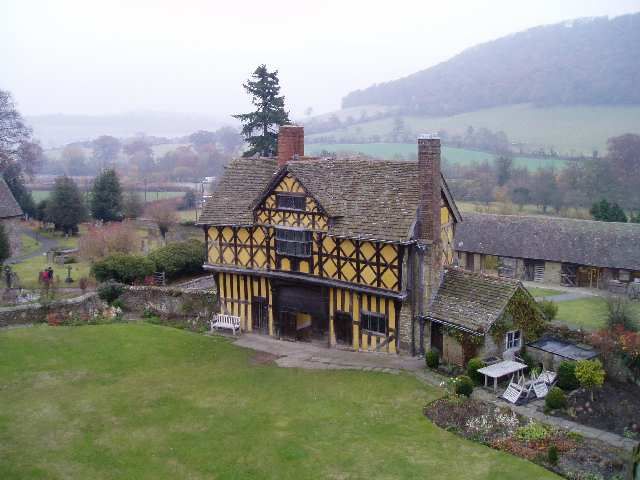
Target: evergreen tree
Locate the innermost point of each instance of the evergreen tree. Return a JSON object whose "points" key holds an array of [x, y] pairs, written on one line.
{"points": [[259, 128], [600, 210], [5, 245], [616, 214], [106, 197], [66, 207]]}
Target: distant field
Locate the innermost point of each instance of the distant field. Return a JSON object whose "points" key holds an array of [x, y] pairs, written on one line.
{"points": [[569, 130], [151, 196], [451, 155], [158, 151]]}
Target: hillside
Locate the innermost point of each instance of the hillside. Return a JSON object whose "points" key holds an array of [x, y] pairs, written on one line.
{"points": [[582, 62], [572, 131]]}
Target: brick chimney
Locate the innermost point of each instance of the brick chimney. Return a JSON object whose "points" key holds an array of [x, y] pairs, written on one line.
{"points": [[290, 143], [430, 188]]}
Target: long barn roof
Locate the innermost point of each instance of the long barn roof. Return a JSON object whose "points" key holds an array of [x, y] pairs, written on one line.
{"points": [[582, 242], [364, 198]]}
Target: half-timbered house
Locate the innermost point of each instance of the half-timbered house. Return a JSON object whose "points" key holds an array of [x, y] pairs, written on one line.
{"points": [[346, 252]]}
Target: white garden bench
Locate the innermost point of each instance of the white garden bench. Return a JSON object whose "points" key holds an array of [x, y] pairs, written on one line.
{"points": [[228, 322]]}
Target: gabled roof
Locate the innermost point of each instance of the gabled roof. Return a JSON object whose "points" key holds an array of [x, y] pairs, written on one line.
{"points": [[583, 242], [471, 301], [376, 199], [9, 207]]}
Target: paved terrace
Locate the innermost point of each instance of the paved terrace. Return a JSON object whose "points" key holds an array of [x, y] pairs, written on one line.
{"points": [[309, 356]]}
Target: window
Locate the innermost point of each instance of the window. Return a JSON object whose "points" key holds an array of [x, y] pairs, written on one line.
{"points": [[288, 201], [294, 243], [513, 339], [374, 322]]}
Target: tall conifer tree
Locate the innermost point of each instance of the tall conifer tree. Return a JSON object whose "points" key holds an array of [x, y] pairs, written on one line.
{"points": [[260, 128], [66, 207], [106, 197]]}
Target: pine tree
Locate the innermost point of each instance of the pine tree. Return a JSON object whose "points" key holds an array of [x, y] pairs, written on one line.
{"points": [[259, 128], [106, 197], [66, 207], [616, 214], [600, 210], [5, 245]]}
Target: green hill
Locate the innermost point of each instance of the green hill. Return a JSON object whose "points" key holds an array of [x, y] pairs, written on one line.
{"points": [[451, 155], [568, 130], [590, 61]]}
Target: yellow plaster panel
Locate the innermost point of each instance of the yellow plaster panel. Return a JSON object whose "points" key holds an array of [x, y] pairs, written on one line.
{"points": [[304, 266], [368, 275], [389, 253]]}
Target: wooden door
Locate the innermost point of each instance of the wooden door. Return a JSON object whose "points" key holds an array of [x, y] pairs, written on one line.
{"points": [[436, 337], [343, 326]]}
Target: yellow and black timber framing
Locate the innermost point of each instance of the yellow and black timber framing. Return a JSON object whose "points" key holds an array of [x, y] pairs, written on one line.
{"points": [[298, 254]]}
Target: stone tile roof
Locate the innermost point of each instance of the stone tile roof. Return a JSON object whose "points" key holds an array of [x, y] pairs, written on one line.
{"points": [[231, 201], [365, 198], [9, 207], [471, 301], [583, 242]]}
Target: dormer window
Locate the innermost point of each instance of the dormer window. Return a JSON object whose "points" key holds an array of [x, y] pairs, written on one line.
{"points": [[293, 243], [290, 201]]}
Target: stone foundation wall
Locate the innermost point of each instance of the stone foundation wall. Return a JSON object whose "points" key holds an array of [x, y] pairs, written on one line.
{"points": [[170, 302], [86, 304]]}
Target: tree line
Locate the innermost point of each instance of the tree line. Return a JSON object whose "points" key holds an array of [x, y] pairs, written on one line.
{"points": [[607, 186]]}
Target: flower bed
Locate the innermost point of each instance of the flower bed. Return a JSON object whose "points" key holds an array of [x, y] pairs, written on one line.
{"points": [[616, 408], [502, 429]]}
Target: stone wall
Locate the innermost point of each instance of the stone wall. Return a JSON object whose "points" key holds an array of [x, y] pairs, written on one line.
{"points": [[178, 307], [87, 304]]}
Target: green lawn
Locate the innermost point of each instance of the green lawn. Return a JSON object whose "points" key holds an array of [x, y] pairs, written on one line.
{"points": [[589, 313], [543, 292], [150, 402], [28, 271], [451, 155], [28, 244]]}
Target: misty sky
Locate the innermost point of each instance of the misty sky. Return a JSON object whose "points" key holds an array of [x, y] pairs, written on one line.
{"points": [[192, 55]]}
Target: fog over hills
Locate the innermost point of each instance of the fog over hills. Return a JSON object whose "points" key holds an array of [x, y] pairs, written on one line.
{"points": [[593, 61]]}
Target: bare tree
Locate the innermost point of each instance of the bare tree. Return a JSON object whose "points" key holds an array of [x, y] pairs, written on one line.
{"points": [[164, 216], [13, 131]]}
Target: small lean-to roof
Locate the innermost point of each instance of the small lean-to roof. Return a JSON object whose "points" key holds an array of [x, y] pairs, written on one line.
{"points": [[555, 239], [9, 207], [471, 301], [376, 199]]}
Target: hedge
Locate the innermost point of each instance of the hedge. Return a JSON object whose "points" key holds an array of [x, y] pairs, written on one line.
{"points": [[179, 258]]}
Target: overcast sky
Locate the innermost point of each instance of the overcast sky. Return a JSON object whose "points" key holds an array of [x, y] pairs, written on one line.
{"points": [[193, 55]]}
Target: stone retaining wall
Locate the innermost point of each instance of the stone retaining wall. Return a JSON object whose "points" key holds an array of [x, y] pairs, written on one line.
{"points": [[86, 304], [178, 307]]}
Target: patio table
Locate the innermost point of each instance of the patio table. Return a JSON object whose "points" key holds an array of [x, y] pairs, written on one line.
{"points": [[501, 369]]}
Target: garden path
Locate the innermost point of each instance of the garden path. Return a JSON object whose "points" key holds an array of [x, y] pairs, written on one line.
{"points": [[46, 244]]}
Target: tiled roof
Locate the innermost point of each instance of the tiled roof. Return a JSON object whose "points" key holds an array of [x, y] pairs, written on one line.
{"points": [[9, 207], [583, 242], [471, 301], [365, 198]]}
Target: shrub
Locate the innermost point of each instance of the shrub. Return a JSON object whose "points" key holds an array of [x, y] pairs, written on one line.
{"points": [[118, 303], [555, 399], [590, 374], [83, 283], [532, 432], [110, 291], [529, 360], [549, 308], [552, 454], [109, 239], [472, 370], [432, 359], [463, 386], [179, 258], [123, 268], [567, 376]]}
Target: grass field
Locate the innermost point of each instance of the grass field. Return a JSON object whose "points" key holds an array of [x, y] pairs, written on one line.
{"points": [[543, 292], [569, 130], [589, 313], [158, 151], [150, 402], [28, 245], [451, 155], [151, 196]]}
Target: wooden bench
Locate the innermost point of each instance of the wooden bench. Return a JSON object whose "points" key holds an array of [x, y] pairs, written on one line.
{"points": [[228, 322]]}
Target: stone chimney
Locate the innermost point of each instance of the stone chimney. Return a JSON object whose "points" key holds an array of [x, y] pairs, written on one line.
{"points": [[290, 143], [430, 188]]}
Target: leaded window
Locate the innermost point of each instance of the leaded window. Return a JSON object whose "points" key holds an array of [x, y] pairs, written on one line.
{"points": [[293, 243], [374, 322], [287, 201]]}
